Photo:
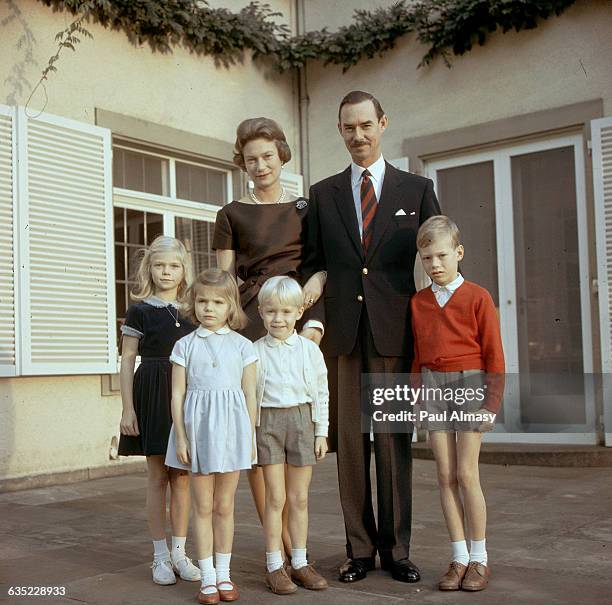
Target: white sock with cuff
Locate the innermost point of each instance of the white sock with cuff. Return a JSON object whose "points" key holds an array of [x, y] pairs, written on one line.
{"points": [[209, 577], [478, 551]]}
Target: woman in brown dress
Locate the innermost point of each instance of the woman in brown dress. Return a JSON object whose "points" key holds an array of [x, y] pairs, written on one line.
{"points": [[262, 235]]}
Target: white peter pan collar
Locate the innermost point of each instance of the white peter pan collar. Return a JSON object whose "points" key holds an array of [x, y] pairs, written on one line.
{"points": [[155, 301], [449, 287], [204, 332], [291, 340]]}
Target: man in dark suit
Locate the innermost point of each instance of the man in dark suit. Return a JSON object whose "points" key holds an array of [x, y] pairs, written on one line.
{"points": [[362, 227]]}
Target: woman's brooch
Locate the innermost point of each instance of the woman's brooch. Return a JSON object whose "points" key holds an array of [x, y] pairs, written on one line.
{"points": [[301, 204]]}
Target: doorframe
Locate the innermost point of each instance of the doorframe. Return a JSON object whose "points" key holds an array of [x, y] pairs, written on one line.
{"points": [[501, 157]]}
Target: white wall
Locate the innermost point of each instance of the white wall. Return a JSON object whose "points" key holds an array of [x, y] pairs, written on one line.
{"points": [[563, 61], [63, 423]]}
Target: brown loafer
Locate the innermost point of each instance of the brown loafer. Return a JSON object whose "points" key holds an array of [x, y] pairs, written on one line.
{"points": [[452, 579], [309, 578], [476, 577], [279, 582], [211, 598], [228, 594]]}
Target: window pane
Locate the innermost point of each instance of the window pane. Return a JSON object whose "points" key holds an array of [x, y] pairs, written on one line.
{"points": [[135, 227], [140, 172], [139, 225], [200, 184], [467, 195], [548, 286], [216, 187], [155, 226], [197, 237], [119, 225]]}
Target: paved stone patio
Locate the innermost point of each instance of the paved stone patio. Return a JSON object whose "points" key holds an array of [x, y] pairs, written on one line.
{"points": [[549, 542]]}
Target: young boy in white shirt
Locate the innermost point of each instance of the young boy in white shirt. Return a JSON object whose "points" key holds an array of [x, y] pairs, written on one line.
{"points": [[292, 427]]}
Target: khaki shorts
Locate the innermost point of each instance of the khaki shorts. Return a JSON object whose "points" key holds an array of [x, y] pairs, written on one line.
{"points": [[286, 435]]}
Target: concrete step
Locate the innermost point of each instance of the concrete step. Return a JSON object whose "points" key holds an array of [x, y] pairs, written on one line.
{"points": [[528, 454]]}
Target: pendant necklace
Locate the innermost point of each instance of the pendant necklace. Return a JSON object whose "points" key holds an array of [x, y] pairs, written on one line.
{"points": [[211, 352], [176, 321]]}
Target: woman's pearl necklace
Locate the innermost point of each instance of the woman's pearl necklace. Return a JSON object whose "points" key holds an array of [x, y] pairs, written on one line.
{"points": [[256, 200]]}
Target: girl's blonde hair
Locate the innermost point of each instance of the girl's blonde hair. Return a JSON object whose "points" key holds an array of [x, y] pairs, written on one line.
{"points": [[435, 227], [227, 286], [144, 282]]}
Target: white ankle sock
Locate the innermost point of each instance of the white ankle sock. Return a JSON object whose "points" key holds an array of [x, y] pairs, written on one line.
{"points": [[178, 548], [222, 568], [298, 558], [160, 550], [460, 552], [478, 551], [274, 560], [209, 577]]}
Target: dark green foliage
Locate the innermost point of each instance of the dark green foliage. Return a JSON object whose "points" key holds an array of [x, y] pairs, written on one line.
{"points": [[444, 26]]}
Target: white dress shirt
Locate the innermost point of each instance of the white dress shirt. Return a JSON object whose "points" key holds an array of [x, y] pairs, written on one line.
{"points": [[444, 293], [377, 172], [285, 385]]}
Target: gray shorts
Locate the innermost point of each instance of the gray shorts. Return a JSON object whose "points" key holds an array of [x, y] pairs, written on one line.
{"points": [[286, 435], [451, 414]]}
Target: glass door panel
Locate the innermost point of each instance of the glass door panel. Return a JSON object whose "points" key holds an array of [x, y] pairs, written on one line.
{"points": [[467, 195], [550, 347]]}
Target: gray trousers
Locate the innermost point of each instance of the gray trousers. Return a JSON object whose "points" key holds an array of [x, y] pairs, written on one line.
{"points": [[392, 456]]}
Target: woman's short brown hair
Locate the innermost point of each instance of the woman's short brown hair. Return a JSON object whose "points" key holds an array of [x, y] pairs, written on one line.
{"points": [[260, 128]]}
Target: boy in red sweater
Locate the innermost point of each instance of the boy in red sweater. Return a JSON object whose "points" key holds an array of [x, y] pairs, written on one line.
{"points": [[457, 342]]}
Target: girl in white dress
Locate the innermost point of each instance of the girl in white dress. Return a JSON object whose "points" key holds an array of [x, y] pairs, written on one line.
{"points": [[213, 412]]}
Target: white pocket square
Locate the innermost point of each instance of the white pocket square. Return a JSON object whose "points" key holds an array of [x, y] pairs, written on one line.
{"points": [[400, 212]]}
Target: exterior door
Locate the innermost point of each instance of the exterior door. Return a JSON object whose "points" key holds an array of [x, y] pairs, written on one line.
{"points": [[522, 214]]}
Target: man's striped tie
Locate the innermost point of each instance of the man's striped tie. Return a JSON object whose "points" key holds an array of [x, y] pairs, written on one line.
{"points": [[368, 208]]}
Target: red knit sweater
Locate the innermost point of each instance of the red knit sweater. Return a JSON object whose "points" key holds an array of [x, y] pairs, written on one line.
{"points": [[462, 335]]}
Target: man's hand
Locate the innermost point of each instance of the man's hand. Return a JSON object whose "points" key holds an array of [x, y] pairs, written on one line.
{"points": [[313, 334], [320, 447]]}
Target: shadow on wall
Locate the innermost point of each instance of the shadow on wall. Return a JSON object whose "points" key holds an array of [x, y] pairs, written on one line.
{"points": [[17, 85]]}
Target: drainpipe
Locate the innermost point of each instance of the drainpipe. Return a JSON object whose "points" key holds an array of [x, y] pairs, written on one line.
{"points": [[303, 100]]}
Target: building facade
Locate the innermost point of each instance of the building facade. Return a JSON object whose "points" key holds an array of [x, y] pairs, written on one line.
{"points": [[132, 144]]}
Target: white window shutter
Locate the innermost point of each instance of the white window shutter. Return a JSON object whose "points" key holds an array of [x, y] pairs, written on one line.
{"points": [[67, 295], [8, 267], [293, 183]]}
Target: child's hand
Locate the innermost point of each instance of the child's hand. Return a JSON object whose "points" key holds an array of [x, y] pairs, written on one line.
{"points": [[129, 424], [182, 451], [486, 425], [320, 447]]}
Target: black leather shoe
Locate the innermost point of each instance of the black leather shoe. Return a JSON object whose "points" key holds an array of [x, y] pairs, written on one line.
{"points": [[402, 570], [356, 569]]}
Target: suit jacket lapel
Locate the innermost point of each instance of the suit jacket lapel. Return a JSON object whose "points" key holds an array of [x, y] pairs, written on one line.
{"points": [[343, 196], [386, 206]]}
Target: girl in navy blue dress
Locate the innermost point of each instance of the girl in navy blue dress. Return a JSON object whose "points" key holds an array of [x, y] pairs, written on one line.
{"points": [[151, 328]]}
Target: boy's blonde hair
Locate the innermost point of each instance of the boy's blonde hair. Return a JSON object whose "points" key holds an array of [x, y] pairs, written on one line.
{"points": [[286, 289], [144, 281], [228, 288], [434, 228]]}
